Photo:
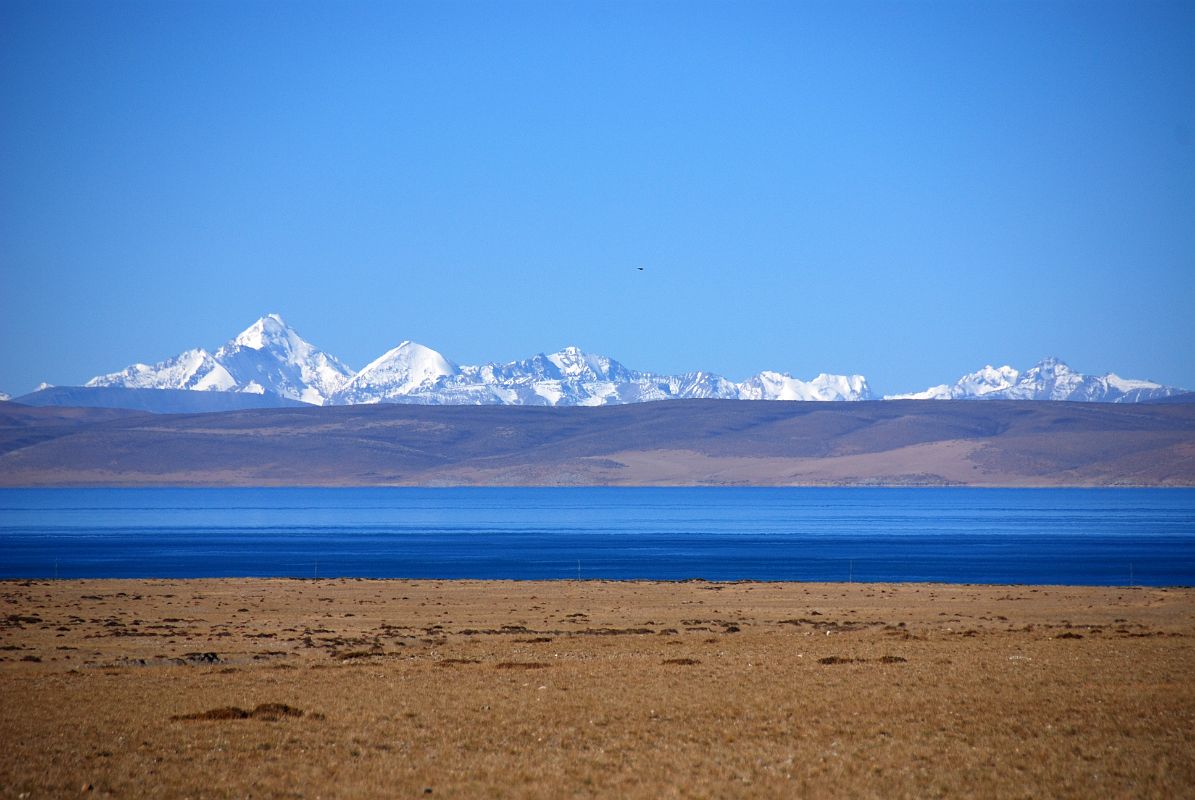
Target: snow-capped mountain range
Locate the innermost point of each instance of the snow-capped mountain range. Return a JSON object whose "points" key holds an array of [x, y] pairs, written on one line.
{"points": [[269, 357], [412, 373], [1049, 379]]}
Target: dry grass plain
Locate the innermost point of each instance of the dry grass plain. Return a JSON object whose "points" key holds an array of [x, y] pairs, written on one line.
{"points": [[664, 443], [342, 688]]}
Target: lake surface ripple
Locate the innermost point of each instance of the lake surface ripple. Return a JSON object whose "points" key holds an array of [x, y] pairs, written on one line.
{"points": [[1039, 536]]}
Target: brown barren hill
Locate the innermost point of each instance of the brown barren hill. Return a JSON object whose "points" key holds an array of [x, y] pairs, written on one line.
{"points": [[690, 442], [364, 689]]}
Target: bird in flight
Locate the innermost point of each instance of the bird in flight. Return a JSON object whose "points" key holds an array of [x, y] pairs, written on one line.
{"points": [[639, 268]]}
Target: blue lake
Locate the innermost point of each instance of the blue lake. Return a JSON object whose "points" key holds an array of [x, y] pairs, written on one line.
{"points": [[1073, 536]]}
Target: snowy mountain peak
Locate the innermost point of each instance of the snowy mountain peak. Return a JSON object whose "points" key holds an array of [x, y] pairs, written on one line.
{"points": [[191, 369], [1048, 379], [268, 356], [420, 363], [768, 385], [575, 363], [1050, 366], [268, 331], [398, 372], [842, 387], [989, 379]]}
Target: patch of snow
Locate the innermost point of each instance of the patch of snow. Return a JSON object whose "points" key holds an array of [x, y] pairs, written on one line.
{"points": [[550, 391]]}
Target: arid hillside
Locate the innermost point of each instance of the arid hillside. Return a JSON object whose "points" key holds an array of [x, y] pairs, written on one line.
{"points": [[690, 442]]}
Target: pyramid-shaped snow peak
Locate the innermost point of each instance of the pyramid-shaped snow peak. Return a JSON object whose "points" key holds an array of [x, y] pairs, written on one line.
{"points": [[269, 331], [396, 374], [268, 356]]}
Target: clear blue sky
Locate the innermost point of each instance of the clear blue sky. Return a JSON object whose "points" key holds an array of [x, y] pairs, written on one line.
{"points": [[904, 190]]}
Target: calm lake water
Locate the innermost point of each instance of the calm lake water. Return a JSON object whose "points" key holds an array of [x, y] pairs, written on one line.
{"points": [[1075, 536]]}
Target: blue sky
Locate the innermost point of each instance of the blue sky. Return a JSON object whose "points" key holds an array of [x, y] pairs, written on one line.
{"points": [[903, 190]]}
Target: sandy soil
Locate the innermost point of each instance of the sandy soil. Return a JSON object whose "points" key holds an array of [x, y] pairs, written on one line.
{"points": [[275, 688]]}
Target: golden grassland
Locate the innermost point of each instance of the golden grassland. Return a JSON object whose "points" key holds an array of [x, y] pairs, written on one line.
{"points": [[346, 688]]}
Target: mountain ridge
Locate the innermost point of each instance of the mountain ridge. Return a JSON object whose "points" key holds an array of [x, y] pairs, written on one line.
{"points": [[270, 358], [1049, 379]]}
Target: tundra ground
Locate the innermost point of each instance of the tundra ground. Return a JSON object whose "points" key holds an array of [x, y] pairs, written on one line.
{"points": [[347, 688]]}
